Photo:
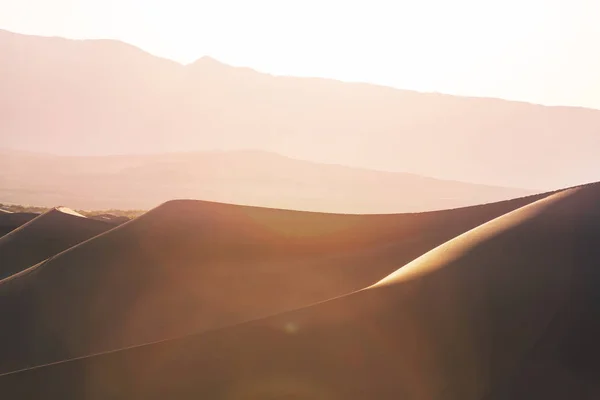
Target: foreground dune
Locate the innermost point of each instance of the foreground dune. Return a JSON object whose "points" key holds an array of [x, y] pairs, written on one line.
{"points": [[10, 221], [189, 266], [508, 310], [45, 236]]}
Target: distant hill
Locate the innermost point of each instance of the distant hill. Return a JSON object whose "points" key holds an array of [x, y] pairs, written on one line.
{"points": [[106, 97], [239, 177]]}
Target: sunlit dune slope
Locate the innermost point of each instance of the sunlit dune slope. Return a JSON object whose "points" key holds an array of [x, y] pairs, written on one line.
{"points": [[10, 221], [45, 236], [467, 320], [189, 266]]}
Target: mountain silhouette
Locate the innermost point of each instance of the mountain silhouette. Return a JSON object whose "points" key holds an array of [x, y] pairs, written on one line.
{"points": [[106, 97]]}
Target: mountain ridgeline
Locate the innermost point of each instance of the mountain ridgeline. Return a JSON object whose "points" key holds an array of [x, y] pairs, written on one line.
{"points": [[107, 97]]}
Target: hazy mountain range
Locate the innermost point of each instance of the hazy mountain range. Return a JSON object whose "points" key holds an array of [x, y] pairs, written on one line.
{"points": [[104, 97], [239, 177]]}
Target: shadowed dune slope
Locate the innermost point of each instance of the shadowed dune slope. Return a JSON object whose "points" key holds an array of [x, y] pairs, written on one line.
{"points": [[45, 236], [506, 311], [10, 221], [189, 266]]}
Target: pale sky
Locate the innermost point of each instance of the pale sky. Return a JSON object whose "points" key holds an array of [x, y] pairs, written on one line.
{"points": [[542, 51]]}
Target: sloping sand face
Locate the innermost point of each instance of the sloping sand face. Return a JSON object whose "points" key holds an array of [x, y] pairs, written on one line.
{"points": [[191, 266], [468, 320], [45, 236], [11, 221]]}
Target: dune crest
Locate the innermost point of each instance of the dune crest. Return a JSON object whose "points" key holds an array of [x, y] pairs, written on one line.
{"points": [[456, 248], [69, 211]]}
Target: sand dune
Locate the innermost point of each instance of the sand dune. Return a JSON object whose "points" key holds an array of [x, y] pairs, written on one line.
{"points": [[191, 266], [45, 236], [10, 221], [113, 219], [508, 310]]}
